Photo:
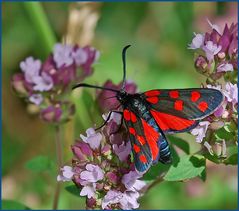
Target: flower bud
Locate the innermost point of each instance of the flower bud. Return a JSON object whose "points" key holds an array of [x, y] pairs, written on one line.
{"points": [[216, 125], [201, 64], [18, 84], [106, 150], [52, 114], [82, 151], [91, 203], [112, 177]]}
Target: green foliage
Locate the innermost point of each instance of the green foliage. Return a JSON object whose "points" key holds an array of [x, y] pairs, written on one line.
{"points": [[188, 167], [72, 189], [232, 155], [40, 163], [13, 205], [180, 143]]}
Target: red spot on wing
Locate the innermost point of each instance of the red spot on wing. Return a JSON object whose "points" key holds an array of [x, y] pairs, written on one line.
{"points": [[133, 117], [168, 121], [152, 93], [143, 159], [141, 139], [126, 114], [132, 131], [152, 137], [195, 96], [178, 105], [136, 148], [152, 100], [174, 94], [202, 106]]}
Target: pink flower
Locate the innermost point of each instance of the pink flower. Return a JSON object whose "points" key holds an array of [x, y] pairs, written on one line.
{"points": [[88, 190], [211, 49], [231, 93], [36, 99], [80, 56], [62, 55], [112, 197], [92, 138], [225, 67], [200, 131], [126, 200], [197, 41], [122, 150], [129, 200], [31, 69], [43, 83], [92, 174], [131, 181], [67, 174]]}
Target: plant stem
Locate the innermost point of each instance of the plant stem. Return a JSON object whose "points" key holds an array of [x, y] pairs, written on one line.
{"points": [[41, 25], [60, 163], [154, 183]]}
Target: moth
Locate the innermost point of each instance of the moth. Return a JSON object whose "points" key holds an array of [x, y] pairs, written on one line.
{"points": [[149, 115]]}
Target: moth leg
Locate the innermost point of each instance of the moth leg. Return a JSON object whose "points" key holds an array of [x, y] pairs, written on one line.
{"points": [[108, 118]]}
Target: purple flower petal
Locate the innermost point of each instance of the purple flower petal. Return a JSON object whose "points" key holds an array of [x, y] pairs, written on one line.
{"points": [[36, 99], [92, 138], [67, 174], [200, 131], [129, 200], [231, 93], [225, 67], [89, 191], [43, 83], [211, 49], [31, 69], [93, 173], [112, 197], [122, 151], [131, 181], [80, 56], [62, 55], [197, 41]]}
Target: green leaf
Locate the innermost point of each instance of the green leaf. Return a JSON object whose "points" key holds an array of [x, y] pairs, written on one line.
{"points": [[13, 205], [232, 159], [73, 189], [187, 168], [39, 164], [224, 133], [155, 171], [160, 168], [180, 143]]}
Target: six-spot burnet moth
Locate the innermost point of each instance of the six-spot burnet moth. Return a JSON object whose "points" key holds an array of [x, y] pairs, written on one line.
{"points": [[148, 116]]}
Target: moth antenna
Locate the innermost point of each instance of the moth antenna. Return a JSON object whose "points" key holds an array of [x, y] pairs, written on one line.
{"points": [[94, 87], [124, 66]]}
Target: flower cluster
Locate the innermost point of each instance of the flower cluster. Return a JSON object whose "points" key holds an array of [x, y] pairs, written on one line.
{"points": [[43, 84], [216, 58], [103, 170]]}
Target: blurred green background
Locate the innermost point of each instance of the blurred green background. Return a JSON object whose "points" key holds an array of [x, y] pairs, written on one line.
{"points": [[159, 34]]}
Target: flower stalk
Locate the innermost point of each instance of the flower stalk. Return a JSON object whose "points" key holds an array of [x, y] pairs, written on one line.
{"points": [[58, 144]]}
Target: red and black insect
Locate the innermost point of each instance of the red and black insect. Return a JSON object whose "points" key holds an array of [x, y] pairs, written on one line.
{"points": [[148, 116]]}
